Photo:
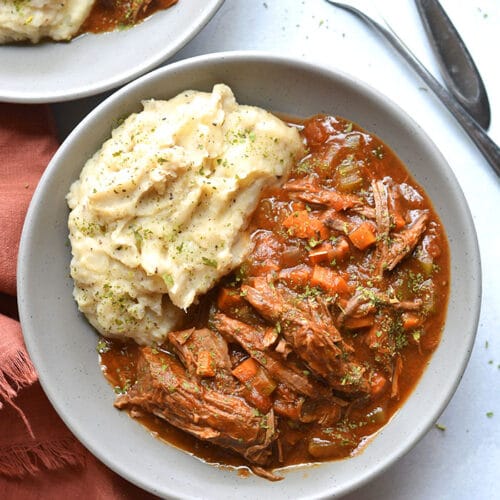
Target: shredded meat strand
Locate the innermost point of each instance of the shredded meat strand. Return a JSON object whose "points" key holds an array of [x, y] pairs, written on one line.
{"points": [[311, 335], [404, 242], [165, 389], [308, 191]]}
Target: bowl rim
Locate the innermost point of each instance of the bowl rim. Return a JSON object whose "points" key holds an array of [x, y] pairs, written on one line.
{"points": [[256, 57], [112, 82]]}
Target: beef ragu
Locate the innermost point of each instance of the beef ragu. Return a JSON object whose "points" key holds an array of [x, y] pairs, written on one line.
{"points": [[108, 15], [309, 348]]}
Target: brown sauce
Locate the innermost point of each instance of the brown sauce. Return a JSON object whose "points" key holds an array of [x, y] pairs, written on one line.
{"points": [[109, 15], [391, 344]]}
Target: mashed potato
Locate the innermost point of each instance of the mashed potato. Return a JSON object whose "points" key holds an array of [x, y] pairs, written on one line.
{"points": [[159, 213], [35, 19]]}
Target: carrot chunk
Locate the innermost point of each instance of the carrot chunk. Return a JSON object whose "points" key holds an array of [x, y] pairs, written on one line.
{"points": [[302, 225], [315, 131], [363, 236], [297, 205], [329, 280], [246, 370], [258, 384], [228, 298], [263, 383], [410, 321], [205, 366], [329, 251]]}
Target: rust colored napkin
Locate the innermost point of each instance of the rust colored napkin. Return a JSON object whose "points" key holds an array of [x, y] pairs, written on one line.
{"points": [[39, 457]]}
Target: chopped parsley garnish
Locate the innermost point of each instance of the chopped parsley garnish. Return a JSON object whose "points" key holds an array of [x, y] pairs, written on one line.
{"points": [[167, 278], [313, 242], [209, 262], [348, 128], [102, 346]]}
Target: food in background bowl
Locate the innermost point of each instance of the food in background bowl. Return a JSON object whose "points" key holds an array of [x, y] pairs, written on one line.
{"points": [[34, 20], [109, 15], [92, 64], [307, 328]]}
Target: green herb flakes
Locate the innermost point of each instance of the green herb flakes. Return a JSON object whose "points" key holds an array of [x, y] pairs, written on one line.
{"points": [[102, 346], [209, 262], [168, 279]]}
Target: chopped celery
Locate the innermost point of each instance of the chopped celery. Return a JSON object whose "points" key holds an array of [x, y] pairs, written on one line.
{"points": [[378, 415], [353, 141], [349, 175], [427, 265]]}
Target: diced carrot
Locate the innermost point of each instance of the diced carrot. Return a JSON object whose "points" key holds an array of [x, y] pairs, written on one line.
{"points": [[355, 323], [329, 251], [228, 298], [246, 370], [254, 376], [410, 321], [329, 280], [263, 383], [205, 366], [297, 205], [363, 236], [258, 385], [298, 275], [321, 253], [315, 131], [302, 225]]}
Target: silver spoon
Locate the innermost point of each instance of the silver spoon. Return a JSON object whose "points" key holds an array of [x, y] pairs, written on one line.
{"points": [[457, 68], [478, 135]]}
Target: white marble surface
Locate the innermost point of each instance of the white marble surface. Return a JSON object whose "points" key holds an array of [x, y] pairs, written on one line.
{"points": [[463, 461]]}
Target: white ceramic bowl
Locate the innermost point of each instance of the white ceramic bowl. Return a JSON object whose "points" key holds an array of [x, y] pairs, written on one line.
{"points": [[62, 344], [90, 64]]}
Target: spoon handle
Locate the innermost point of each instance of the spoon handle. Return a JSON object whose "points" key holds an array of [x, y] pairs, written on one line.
{"points": [[480, 138], [455, 62]]}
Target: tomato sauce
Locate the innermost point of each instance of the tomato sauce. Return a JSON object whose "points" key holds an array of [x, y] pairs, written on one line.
{"points": [[109, 15]]}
